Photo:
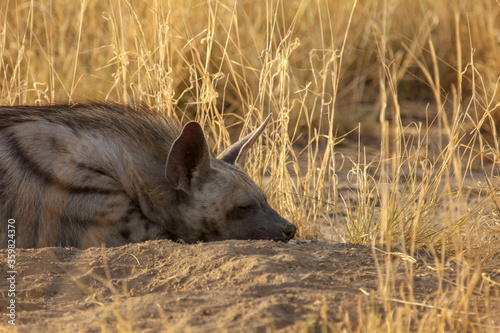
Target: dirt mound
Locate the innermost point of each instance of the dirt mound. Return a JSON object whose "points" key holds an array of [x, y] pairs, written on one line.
{"points": [[232, 285]]}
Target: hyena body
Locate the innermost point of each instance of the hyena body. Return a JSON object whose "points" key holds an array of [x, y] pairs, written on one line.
{"points": [[96, 174]]}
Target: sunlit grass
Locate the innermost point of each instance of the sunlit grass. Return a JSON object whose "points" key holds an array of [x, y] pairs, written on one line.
{"points": [[333, 74]]}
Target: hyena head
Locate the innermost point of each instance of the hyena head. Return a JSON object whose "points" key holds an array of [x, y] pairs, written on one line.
{"points": [[216, 199]]}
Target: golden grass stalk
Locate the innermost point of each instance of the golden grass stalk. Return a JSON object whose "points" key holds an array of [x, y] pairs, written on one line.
{"points": [[315, 66]]}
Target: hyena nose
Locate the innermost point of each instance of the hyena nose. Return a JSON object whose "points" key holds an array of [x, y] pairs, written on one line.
{"points": [[288, 231]]}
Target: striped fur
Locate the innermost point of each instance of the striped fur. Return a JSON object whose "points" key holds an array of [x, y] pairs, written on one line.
{"points": [[107, 174]]}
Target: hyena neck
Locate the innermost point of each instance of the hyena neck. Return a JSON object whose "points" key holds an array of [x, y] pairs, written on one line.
{"points": [[134, 155], [145, 183]]}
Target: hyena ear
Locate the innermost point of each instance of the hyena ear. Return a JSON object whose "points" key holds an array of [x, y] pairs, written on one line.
{"points": [[237, 153], [189, 152]]}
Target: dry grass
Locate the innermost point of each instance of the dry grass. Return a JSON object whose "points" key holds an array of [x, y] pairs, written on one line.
{"points": [[327, 70]]}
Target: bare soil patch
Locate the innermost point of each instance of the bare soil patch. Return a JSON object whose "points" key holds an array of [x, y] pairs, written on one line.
{"points": [[237, 286]]}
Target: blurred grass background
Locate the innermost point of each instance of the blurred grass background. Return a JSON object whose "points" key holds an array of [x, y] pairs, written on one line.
{"points": [[385, 112], [165, 52]]}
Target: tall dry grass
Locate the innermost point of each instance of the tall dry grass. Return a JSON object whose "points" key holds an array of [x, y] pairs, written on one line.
{"points": [[332, 73]]}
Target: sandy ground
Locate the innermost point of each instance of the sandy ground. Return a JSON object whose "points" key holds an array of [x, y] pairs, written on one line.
{"points": [[239, 286]]}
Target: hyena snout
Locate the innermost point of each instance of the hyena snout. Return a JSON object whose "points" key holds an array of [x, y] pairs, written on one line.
{"points": [[288, 231], [274, 226]]}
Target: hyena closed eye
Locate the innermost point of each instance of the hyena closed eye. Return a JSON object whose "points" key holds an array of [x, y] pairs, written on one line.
{"points": [[95, 174]]}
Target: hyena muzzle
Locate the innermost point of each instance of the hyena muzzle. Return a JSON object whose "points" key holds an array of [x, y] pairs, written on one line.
{"points": [[107, 174]]}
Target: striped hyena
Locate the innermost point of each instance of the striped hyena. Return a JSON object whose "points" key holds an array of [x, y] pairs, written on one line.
{"points": [[93, 174]]}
